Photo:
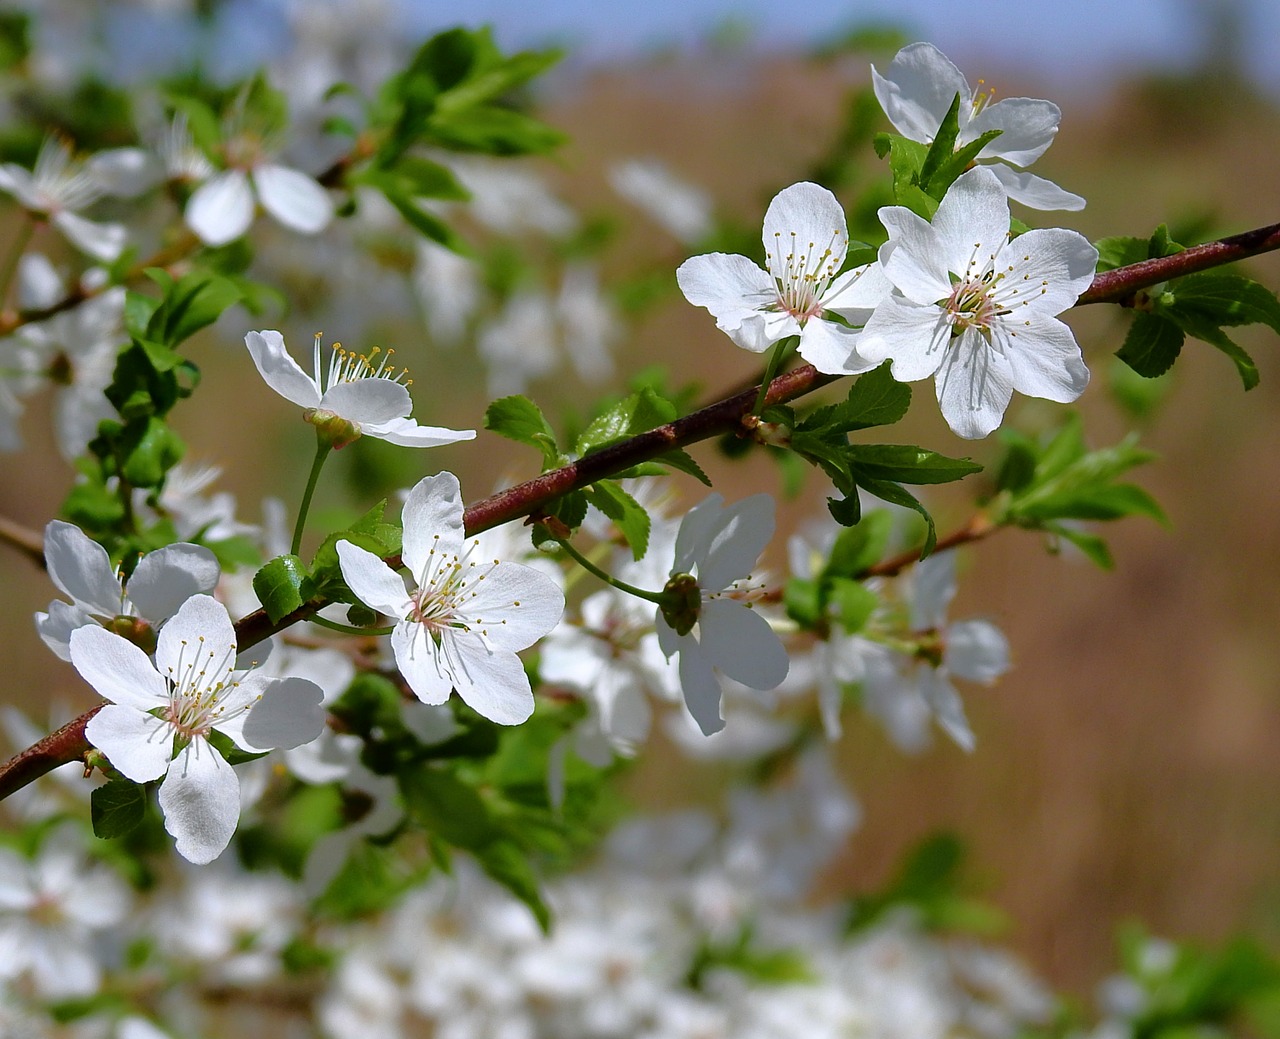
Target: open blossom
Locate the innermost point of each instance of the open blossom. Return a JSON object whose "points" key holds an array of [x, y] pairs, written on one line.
{"points": [[715, 550], [359, 390], [462, 625], [57, 189], [192, 689], [161, 582], [919, 88], [976, 309], [805, 243]]}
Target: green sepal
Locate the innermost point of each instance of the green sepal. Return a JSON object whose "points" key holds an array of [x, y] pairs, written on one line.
{"points": [[117, 808]]}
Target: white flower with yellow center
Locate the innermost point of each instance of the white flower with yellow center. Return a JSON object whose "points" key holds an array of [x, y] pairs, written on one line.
{"points": [[462, 625], [806, 242], [193, 688], [359, 394], [977, 309]]}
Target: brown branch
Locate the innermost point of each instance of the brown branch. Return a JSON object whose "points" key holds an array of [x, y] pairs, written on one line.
{"points": [[24, 539], [1118, 286], [975, 530], [1122, 284]]}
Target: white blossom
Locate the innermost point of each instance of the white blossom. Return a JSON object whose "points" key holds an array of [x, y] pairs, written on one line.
{"points": [[194, 688], [976, 309], [919, 88], [802, 289], [715, 550], [364, 391], [161, 582], [466, 618]]}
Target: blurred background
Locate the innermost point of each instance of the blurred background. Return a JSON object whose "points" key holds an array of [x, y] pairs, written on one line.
{"points": [[1128, 767]]}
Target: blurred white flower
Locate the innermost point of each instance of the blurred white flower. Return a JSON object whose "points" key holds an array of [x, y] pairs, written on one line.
{"points": [[681, 208]]}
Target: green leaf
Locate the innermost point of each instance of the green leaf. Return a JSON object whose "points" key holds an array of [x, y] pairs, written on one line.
{"points": [[853, 602], [1152, 345], [195, 301], [509, 865], [280, 586], [802, 599], [1120, 251], [861, 546], [906, 464], [1227, 299], [117, 807], [148, 450], [520, 419], [425, 222], [634, 414], [895, 494], [1213, 335], [625, 511], [941, 179], [944, 142], [448, 807]]}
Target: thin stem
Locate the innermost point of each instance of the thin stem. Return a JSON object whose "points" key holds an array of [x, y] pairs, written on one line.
{"points": [[29, 542], [780, 352], [607, 578], [20, 241], [351, 629], [322, 452]]}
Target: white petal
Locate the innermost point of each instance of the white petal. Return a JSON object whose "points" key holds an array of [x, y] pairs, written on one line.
{"points": [[515, 605], [805, 229], [739, 641], [288, 715], [200, 798], [697, 529], [917, 90], [432, 521], [933, 586], [833, 348], [1052, 267], [1035, 192], [742, 532], [199, 635], [1045, 362], [293, 198], [137, 744], [101, 241], [56, 626], [81, 568], [281, 371], [734, 290], [857, 292], [916, 338], [405, 432], [169, 576], [375, 584], [912, 259], [947, 707], [971, 224], [125, 172], [976, 650], [492, 683], [221, 209], [39, 284], [117, 669], [421, 663], [699, 684], [973, 385], [1027, 128], [367, 400]]}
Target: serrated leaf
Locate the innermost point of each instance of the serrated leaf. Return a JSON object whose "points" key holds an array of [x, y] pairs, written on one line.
{"points": [[279, 586], [117, 807], [1106, 502], [1210, 333], [1227, 299], [1093, 547], [520, 419], [874, 399], [895, 494], [679, 459], [629, 515], [1120, 251], [1151, 345]]}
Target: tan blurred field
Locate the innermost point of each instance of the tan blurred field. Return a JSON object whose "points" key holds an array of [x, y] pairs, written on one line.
{"points": [[1129, 766]]}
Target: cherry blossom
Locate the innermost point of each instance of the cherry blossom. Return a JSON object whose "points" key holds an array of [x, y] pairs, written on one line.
{"points": [[462, 625], [364, 395], [805, 244], [193, 689], [977, 309], [919, 88]]}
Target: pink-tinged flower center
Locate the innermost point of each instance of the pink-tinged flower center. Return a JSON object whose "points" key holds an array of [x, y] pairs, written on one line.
{"points": [[196, 689], [802, 272], [972, 305], [444, 589]]}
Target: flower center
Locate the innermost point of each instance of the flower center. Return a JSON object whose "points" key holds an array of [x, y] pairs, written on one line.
{"points": [[443, 591], [196, 688], [802, 271], [981, 98], [972, 305]]}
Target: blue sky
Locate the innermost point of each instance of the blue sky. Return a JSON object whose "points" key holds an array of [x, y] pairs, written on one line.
{"points": [[1068, 44]]}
